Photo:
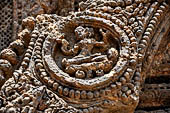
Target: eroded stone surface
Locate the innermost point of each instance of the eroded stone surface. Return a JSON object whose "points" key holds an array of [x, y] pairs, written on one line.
{"points": [[90, 61]]}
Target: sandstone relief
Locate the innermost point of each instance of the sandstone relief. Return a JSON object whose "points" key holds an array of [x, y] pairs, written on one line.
{"points": [[87, 56]]}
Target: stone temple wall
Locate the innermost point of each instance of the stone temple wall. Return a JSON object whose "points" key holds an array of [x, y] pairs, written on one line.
{"points": [[6, 21], [84, 56]]}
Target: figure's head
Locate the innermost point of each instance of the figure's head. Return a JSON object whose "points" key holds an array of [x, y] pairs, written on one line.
{"points": [[82, 32]]}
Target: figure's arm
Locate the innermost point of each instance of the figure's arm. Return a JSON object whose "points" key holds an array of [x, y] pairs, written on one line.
{"points": [[65, 47], [76, 49], [104, 43], [105, 36]]}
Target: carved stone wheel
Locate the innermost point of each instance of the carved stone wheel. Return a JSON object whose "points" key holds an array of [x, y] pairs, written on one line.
{"points": [[89, 62]]}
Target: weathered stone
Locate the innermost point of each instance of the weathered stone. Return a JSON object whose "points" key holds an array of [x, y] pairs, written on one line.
{"points": [[92, 60]]}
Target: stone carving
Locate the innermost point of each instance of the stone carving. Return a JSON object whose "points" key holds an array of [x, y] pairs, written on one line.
{"points": [[87, 63], [5, 23], [90, 61]]}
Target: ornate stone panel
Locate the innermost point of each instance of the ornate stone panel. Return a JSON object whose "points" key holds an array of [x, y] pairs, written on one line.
{"points": [[94, 60]]}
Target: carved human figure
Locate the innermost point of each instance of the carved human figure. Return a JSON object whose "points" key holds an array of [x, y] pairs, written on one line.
{"points": [[85, 63]]}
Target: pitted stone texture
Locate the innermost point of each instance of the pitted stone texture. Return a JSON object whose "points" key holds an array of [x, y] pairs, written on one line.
{"points": [[35, 98], [92, 60], [6, 15]]}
